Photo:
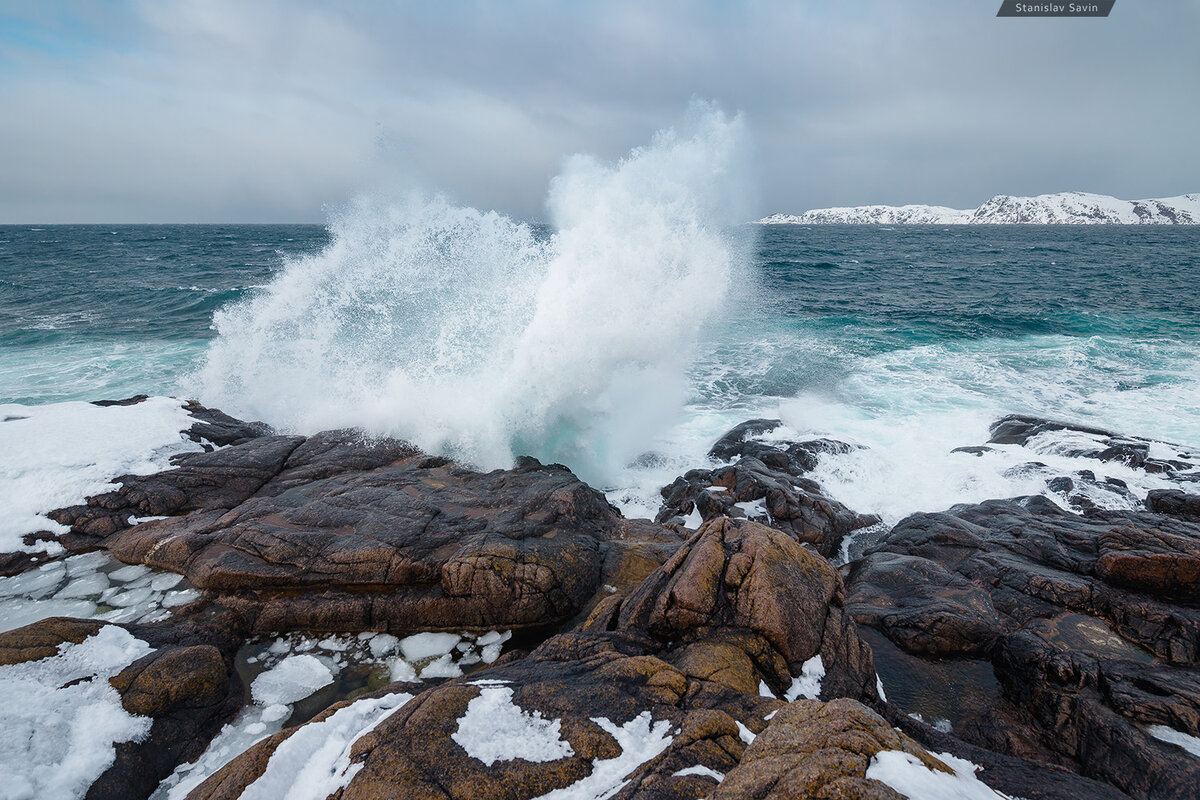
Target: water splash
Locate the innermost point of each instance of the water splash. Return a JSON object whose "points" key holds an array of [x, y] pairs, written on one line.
{"points": [[468, 333]]}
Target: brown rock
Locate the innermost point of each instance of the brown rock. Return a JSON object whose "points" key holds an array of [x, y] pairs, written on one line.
{"points": [[815, 751]]}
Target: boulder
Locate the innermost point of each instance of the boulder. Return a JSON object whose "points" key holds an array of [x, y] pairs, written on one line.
{"points": [[820, 750]]}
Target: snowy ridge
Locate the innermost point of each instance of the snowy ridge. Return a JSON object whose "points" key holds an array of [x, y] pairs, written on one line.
{"points": [[1063, 208]]}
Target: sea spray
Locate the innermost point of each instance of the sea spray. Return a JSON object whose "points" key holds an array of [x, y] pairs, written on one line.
{"points": [[469, 333]]}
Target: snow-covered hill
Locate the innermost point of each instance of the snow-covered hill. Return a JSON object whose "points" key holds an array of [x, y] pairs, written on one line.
{"points": [[1063, 208]]}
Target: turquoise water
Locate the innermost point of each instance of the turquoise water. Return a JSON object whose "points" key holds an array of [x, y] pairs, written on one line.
{"points": [[100, 311]]}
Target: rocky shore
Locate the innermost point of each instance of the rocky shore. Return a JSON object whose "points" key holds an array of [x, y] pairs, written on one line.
{"points": [[359, 619]]}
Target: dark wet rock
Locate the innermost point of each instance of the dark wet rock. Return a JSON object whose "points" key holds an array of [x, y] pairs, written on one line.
{"points": [[128, 401], [974, 450], [765, 482], [1061, 484], [1089, 624], [187, 686], [685, 652], [1020, 428], [215, 427], [378, 536], [1175, 502], [1015, 777], [1100, 444], [1082, 490], [218, 480]]}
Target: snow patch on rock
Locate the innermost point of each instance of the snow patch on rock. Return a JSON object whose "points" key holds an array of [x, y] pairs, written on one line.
{"points": [[906, 774], [61, 718], [496, 729], [640, 739], [808, 683], [314, 762]]}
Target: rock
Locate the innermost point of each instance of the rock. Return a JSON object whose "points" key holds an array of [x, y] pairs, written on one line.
{"points": [[1088, 623], [1174, 502], [1089, 442], [657, 690], [766, 483], [349, 535], [819, 750], [186, 685], [737, 576], [216, 480], [215, 427]]}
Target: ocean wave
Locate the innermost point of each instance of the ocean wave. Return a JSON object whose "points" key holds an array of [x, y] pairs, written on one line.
{"points": [[468, 333]]}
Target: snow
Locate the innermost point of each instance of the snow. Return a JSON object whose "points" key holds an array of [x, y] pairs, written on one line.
{"points": [[700, 769], [294, 678], [1172, 736], [765, 691], [383, 644], [423, 646], [755, 509], [640, 739], [441, 667], [267, 715], [314, 762], [1062, 208], [808, 684], [879, 688], [693, 520], [745, 734], [907, 775], [61, 717], [58, 454], [496, 729]]}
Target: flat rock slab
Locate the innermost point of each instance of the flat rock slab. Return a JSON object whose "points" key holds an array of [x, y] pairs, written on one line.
{"points": [[334, 534]]}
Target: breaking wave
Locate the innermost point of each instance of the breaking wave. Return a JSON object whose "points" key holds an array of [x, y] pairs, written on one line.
{"points": [[473, 334]]}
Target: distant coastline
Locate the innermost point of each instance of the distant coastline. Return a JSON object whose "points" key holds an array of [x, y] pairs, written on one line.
{"points": [[1062, 208]]}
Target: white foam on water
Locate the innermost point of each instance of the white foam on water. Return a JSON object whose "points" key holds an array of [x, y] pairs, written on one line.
{"points": [[57, 455], [911, 408], [467, 333]]}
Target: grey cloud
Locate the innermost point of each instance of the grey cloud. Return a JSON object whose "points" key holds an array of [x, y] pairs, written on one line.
{"points": [[257, 111]]}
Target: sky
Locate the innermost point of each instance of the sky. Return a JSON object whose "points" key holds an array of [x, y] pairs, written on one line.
{"points": [[279, 110]]}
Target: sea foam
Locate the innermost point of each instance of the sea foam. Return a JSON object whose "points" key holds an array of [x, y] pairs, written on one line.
{"points": [[468, 333]]}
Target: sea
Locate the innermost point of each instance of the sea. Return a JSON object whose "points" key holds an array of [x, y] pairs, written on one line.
{"points": [[454, 328]]}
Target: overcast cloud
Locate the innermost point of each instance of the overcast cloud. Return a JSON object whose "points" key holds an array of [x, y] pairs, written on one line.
{"points": [[248, 111]]}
